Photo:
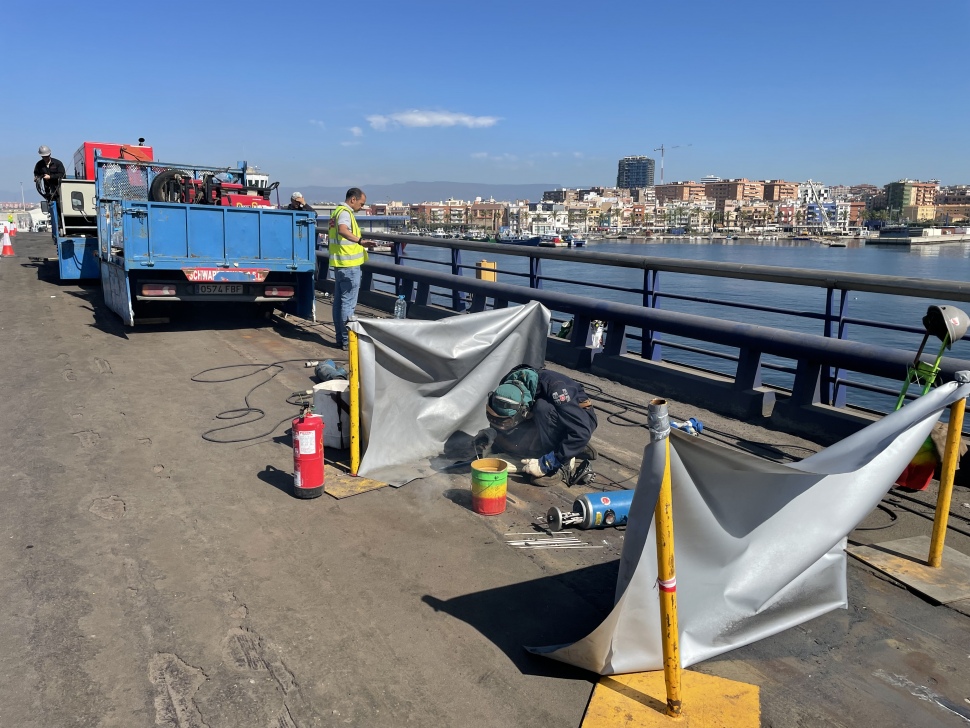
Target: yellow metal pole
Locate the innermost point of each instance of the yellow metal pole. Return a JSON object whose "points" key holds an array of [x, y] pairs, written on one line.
{"points": [[663, 517], [950, 455], [354, 402]]}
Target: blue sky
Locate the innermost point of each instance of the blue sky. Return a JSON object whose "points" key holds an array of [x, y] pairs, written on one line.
{"points": [[552, 92]]}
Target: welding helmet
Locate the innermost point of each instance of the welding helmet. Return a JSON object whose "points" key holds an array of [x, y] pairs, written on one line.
{"points": [[506, 406], [44, 151], [947, 323]]}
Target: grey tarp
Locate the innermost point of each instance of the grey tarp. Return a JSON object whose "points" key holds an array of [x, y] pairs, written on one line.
{"points": [[423, 384], [758, 545]]}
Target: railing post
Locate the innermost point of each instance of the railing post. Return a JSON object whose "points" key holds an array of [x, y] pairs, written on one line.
{"points": [[615, 339], [833, 391], [423, 297], [580, 333], [457, 301], [748, 373], [651, 339], [805, 389], [535, 272], [399, 261]]}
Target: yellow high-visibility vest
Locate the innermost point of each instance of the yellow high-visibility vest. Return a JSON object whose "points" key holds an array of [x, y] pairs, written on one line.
{"points": [[343, 253]]}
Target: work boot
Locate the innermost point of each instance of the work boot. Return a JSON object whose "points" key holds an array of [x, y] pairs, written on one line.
{"points": [[589, 452]]}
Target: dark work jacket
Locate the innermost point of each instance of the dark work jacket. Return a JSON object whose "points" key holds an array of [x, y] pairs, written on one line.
{"points": [[299, 206], [55, 169], [564, 427]]}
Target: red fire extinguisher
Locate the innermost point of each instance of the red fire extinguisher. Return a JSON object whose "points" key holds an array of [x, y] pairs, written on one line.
{"points": [[308, 471]]}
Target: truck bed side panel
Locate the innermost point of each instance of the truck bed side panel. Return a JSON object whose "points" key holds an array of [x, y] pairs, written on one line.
{"points": [[163, 232]]}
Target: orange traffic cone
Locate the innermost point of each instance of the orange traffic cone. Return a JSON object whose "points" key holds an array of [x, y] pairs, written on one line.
{"points": [[7, 251]]}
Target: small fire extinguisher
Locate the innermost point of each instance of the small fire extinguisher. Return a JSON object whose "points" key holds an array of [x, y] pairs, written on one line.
{"points": [[308, 474]]}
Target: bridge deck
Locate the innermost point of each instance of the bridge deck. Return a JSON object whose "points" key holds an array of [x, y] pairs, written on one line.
{"points": [[153, 577]]}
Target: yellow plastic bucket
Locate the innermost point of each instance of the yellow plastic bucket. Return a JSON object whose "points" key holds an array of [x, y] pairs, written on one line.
{"points": [[489, 481]]}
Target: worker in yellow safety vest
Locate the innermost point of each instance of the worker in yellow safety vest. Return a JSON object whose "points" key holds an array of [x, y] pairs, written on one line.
{"points": [[347, 255]]}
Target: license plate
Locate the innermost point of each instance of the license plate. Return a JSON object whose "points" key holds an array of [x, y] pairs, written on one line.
{"points": [[219, 288]]}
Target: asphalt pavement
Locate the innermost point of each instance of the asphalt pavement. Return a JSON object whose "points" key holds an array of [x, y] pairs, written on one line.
{"points": [[153, 578]]}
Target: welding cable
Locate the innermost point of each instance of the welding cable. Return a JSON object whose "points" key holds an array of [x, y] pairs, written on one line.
{"points": [[927, 516], [892, 519], [898, 494], [297, 399], [620, 419]]}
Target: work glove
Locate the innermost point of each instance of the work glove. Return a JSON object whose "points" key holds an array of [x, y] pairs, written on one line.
{"points": [[537, 467], [532, 467], [484, 441]]}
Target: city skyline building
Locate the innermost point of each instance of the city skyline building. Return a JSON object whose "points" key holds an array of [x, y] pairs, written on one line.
{"points": [[635, 171]]}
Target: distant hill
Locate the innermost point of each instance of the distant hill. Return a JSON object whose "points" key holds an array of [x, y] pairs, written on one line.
{"points": [[425, 192]]}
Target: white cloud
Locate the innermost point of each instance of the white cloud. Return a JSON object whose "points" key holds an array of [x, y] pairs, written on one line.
{"points": [[504, 157], [578, 155], [318, 123], [356, 131], [419, 118]]}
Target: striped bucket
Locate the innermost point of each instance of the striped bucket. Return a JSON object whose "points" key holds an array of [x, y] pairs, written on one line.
{"points": [[489, 479]]}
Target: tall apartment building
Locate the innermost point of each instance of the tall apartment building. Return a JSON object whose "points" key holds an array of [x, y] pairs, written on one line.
{"points": [[910, 193], [682, 191], [776, 190], [953, 195], [635, 172], [733, 189]]}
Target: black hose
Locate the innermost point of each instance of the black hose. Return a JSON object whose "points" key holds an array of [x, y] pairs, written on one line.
{"points": [[240, 412]]}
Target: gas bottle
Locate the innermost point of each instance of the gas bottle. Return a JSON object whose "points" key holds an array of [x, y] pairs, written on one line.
{"points": [[308, 473]]}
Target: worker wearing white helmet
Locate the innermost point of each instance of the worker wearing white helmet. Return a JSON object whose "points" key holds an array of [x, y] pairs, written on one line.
{"points": [[50, 172]]}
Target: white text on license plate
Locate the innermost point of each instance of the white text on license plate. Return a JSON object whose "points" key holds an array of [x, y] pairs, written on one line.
{"points": [[224, 288]]}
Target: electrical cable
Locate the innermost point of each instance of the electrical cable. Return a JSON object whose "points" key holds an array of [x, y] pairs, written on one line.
{"points": [[892, 519], [927, 516], [239, 412], [619, 419], [897, 494]]}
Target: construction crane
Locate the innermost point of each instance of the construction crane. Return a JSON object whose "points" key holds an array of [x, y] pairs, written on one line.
{"points": [[827, 227], [663, 149]]}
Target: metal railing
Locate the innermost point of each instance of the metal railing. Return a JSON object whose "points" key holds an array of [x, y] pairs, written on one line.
{"points": [[746, 345]]}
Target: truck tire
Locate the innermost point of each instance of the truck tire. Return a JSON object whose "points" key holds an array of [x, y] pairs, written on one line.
{"points": [[166, 187]]}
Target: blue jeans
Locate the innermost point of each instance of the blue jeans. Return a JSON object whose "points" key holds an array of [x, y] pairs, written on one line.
{"points": [[346, 286]]}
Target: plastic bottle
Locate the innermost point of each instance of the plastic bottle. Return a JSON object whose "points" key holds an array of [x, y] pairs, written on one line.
{"points": [[400, 308]]}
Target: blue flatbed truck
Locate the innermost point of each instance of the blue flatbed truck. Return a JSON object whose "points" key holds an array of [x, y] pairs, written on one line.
{"points": [[158, 232]]}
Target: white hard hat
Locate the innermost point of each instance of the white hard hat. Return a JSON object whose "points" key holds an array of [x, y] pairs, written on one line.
{"points": [[44, 151], [296, 196]]}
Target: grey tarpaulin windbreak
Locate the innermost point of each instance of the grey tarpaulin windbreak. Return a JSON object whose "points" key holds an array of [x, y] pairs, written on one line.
{"points": [[424, 383], [758, 546]]}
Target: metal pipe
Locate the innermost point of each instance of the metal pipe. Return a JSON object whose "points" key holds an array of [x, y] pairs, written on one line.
{"points": [[868, 282], [950, 456], [354, 402], [659, 428]]}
